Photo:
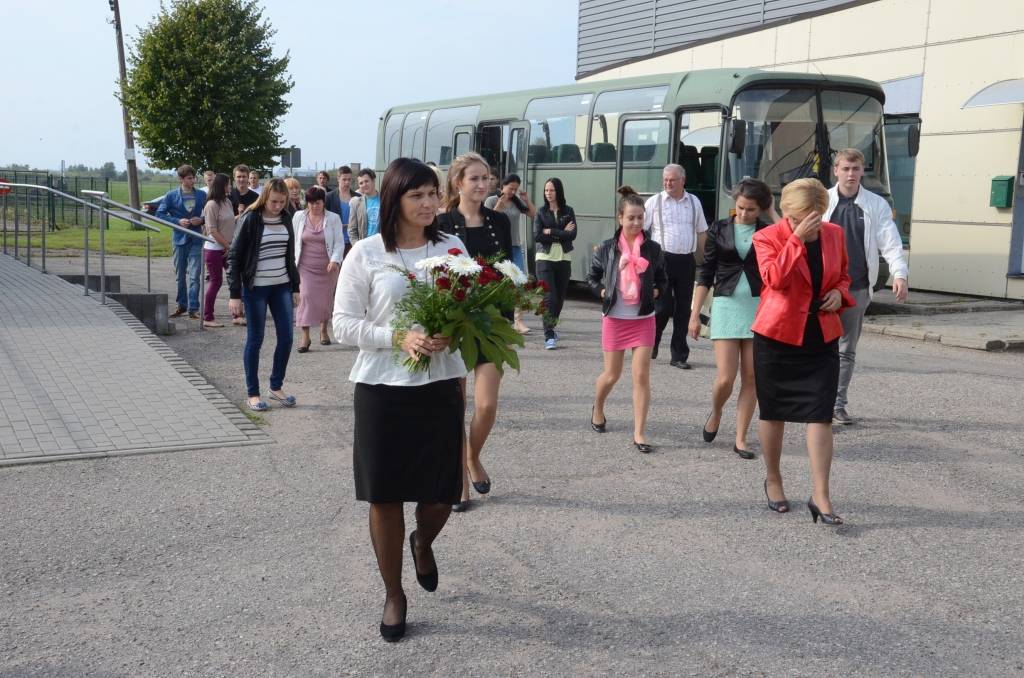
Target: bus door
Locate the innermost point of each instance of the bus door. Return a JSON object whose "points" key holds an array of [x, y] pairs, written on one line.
{"points": [[645, 147], [463, 136], [700, 139], [517, 163]]}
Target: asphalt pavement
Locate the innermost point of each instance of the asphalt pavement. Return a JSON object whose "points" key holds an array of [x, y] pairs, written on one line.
{"points": [[587, 558]]}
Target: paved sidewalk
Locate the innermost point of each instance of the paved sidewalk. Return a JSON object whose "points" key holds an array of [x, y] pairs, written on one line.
{"points": [[81, 379], [965, 322]]}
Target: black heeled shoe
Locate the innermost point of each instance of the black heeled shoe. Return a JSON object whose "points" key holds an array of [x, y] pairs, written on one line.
{"points": [[644, 447], [481, 486], [777, 506], [826, 518], [429, 580], [393, 632], [600, 428], [461, 507], [744, 454], [709, 436]]}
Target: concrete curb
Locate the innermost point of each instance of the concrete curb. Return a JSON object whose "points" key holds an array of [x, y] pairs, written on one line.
{"points": [[917, 334]]}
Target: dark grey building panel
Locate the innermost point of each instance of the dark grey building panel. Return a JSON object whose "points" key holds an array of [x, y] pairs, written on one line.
{"points": [[615, 32]]}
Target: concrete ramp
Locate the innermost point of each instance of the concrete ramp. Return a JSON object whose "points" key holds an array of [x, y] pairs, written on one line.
{"points": [[79, 379]]}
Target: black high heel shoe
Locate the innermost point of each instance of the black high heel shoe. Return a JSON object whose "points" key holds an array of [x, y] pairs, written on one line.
{"points": [[644, 447], [777, 506], [481, 486], [461, 507], [429, 580], [709, 436], [826, 518], [744, 454], [393, 632], [600, 428]]}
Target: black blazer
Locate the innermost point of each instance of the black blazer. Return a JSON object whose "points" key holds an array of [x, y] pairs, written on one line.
{"points": [[604, 273], [722, 264], [244, 253], [546, 219], [495, 223], [333, 201]]}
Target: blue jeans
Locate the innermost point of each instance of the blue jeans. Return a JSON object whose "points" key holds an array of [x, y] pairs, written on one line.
{"points": [[256, 300], [187, 257], [517, 257]]}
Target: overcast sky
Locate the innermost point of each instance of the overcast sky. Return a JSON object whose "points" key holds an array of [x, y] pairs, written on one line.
{"points": [[350, 62]]}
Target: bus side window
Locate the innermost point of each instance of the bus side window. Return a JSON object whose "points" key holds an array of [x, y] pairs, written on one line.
{"points": [[558, 128]]}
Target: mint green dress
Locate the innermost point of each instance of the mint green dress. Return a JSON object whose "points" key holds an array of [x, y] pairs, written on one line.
{"points": [[732, 316]]}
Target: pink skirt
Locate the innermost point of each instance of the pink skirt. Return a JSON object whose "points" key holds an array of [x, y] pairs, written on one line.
{"points": [[619, 334]]}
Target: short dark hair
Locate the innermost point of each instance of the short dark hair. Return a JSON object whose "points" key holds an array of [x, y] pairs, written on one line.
{"points": [[401, 176], [559, 192], [511, 179], [240, 168], [754, 189], [315, 193], [367, 172], [344, 169], [186, 171]]}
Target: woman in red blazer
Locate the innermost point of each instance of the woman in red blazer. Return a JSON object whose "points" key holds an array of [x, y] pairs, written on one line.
{"points": [[796, 337]]}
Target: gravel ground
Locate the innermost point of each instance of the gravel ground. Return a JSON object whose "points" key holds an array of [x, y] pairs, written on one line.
{"points": [[586, 559]]}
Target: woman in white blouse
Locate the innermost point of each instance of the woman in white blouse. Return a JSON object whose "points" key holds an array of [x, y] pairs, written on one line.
{"points": [[408, 425]]}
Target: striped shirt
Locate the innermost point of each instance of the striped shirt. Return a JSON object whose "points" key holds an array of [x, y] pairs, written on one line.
{"points": [[272, 268]]}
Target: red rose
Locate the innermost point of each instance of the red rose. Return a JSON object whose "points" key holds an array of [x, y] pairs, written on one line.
{"points": [[488, 276], [444, 283], [465, 281], [459, 294], [455, 251], [480, 260], [543, 285], [410, 276]]}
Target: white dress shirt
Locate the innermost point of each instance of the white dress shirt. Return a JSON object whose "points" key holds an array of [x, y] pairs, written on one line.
{"points": [[683, 220], [364, 308]]}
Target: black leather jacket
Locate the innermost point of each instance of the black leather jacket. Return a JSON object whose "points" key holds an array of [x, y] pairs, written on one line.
{"points": [[722, 264], [496, 225], [604, 273], [244, 253], [546, 219]]}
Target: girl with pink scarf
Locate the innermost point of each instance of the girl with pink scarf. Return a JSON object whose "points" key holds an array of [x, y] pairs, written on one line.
{"points": [[628, 274]]}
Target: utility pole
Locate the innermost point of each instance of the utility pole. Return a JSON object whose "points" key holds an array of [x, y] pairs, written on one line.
{"points": [[129, 139]]}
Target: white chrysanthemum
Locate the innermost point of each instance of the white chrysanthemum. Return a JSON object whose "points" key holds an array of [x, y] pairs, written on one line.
{"points": [[462, 265], [512, 272], [430, 263]]}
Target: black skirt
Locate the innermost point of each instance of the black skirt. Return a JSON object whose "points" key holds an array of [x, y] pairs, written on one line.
{"points": [[408, 442], [797, 383]]}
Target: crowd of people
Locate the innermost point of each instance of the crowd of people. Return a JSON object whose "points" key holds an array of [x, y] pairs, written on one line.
{"points": [[788, 295]]}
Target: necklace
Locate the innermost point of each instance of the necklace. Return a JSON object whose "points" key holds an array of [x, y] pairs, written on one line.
{"points": [[402, 256]]}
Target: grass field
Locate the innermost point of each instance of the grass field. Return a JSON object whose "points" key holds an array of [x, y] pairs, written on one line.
{"points": [[120, 239]]}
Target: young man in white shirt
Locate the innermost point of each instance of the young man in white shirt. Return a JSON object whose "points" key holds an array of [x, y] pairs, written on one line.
{"points": [[867, 221], [675, 220]]}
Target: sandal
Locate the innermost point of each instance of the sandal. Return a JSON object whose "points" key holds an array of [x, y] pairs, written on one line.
{"points": [[287, 401], [258, 406]]}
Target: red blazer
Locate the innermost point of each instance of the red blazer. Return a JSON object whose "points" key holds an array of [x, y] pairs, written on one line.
{"points": [[786, 295]]}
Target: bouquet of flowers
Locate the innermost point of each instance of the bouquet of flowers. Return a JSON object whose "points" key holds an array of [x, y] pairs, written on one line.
{"points": [[467, 299]]}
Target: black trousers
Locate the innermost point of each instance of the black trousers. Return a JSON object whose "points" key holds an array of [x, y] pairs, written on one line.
{"points": [[675, 304], [556, 275]]}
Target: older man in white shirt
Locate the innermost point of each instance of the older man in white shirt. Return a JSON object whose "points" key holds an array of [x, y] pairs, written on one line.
{"points": [[675, 220]]}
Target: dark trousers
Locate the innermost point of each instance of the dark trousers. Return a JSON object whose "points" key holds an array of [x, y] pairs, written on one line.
{"points": [[556, 275], [675, 304], [278, 298]]}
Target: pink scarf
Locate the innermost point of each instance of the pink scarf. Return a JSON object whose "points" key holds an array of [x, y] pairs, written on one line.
{"points": [[631, 265]]}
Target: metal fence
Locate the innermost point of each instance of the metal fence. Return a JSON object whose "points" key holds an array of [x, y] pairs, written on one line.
{"points": [[50, 209]]}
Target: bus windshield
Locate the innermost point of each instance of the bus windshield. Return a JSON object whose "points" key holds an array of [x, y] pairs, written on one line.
{"points": [[792, 133]]}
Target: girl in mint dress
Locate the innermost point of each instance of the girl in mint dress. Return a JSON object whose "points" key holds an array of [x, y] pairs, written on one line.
{"points": [[730, 267]]}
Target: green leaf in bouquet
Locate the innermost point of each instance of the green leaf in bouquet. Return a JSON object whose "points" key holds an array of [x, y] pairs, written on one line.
{"points": [[468, 347], [493, 352]]}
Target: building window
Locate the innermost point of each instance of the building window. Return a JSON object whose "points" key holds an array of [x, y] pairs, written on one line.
{"points": [[604, 133], [558, 128], [392, 135], [412, 135], [440, 128]]}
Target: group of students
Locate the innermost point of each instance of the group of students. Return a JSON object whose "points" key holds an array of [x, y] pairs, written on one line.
{"points": [[787, 295]]}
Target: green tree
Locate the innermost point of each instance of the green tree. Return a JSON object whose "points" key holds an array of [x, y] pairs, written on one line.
{"points": [[204, 87], [108, 171]]}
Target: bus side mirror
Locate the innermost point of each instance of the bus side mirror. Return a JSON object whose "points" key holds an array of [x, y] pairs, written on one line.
{"points": [[913, 140], [738, 138]]}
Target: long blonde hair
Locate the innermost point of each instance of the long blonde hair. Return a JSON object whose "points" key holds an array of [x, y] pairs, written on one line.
{"points": [[272, 185], [456, 172]]}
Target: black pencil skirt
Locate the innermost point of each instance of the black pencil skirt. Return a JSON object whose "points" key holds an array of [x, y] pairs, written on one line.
{"points": [[796, 383], [408, 442]]}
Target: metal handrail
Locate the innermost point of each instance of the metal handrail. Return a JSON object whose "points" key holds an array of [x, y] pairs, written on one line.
{"points": [[105, 214]]}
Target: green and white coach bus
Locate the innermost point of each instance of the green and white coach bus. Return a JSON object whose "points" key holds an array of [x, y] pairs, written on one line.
{"points": [[598, 135]]}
